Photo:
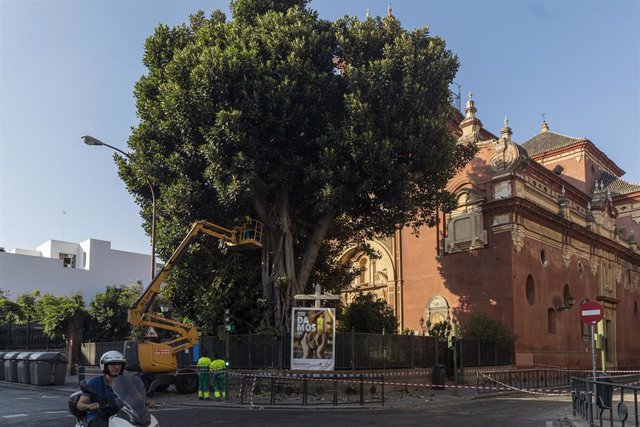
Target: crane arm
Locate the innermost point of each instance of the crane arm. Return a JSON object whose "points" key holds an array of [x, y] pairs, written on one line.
{"points": [[248, 236]]}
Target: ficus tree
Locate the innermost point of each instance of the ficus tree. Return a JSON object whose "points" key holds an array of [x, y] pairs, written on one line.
{"points": [[327, 132]]}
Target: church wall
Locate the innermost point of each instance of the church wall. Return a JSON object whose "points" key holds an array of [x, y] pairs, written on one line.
{"points": [[471, 280], [547, 333]]}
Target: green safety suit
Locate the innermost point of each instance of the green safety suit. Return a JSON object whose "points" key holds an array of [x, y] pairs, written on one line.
{"points": [[203, 377], [218, 367]]}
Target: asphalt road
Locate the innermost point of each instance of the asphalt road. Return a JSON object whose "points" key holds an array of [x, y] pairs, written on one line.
{"points": [[27, 407], [33, 407]]}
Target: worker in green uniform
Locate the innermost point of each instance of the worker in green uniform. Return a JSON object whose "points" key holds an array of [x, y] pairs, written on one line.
{"points": [[203, 376], [218, 367]]}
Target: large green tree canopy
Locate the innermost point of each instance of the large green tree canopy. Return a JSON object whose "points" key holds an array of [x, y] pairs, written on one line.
{"points": [[327, 132]]}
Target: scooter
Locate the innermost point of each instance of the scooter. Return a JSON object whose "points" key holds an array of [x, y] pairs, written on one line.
{"points": [[129, 408]]}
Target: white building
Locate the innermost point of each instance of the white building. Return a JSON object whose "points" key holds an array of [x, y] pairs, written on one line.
{"points": [[65, 268]]}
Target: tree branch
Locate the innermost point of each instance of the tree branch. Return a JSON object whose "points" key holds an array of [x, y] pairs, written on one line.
{"points": [[311, 253]]}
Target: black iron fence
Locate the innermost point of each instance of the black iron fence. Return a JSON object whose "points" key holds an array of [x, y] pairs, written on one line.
{"points": [[27, 336], [263, 351], [609, 399], [476, 352], [357, 351]]}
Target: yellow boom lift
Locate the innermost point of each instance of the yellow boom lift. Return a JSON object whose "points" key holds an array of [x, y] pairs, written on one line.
{"points": [[157, 361]]}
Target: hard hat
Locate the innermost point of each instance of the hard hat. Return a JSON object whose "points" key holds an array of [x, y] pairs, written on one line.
{"points": [[111, 357]]}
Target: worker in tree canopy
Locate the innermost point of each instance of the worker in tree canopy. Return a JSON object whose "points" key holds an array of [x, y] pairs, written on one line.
{"points": [[217, 369], [203, 376]]}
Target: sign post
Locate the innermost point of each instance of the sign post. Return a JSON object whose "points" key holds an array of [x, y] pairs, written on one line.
{"points": [[591, 313]]}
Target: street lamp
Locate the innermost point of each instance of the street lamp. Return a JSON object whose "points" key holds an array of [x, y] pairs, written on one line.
{"points": [[90, 140], [568, 303]]}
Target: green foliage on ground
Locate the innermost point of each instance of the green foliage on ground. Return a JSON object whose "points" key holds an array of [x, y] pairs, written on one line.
{"points": [[369, 314]]}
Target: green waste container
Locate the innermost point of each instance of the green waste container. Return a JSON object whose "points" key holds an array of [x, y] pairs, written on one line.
{"points": [[22, 366]]}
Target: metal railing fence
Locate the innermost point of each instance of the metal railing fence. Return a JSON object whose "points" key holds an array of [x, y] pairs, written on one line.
{"points": [[27, 336], [613, 403], [353, 351]]}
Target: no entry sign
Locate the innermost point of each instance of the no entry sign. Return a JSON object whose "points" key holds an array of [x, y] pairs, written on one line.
{"points": [[591, 312]]}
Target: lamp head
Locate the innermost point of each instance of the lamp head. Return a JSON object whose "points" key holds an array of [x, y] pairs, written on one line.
{"points": [[89, 140]]}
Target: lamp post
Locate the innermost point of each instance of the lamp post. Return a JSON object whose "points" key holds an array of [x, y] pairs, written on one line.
{"points": [[90, 140]]}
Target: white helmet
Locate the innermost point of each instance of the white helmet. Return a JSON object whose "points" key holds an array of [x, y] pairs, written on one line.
{"points": [[111, 357]]}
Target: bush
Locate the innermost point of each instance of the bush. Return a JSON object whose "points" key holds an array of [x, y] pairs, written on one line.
{"points": [[368, 314], [485, 327]]}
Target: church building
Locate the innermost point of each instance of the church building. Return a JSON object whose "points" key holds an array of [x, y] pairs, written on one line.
{"points": [[540, 228]]}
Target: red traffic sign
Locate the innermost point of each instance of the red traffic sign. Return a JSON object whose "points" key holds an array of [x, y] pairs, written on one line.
{"points": [[591, 312]]}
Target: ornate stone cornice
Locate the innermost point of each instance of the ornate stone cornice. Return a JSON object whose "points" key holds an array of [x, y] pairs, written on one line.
{"points": [[527, 209]]}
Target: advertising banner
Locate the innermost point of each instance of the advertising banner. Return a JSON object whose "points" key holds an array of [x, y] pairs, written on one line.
{"points": [[313, 336]]}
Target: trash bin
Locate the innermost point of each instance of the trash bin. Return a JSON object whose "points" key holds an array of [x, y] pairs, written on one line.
{"points": [[22, 366], [11, 366], [437, 377], [33, 371], [48, 368], [59, 372], [2, 353], [604, 392]]}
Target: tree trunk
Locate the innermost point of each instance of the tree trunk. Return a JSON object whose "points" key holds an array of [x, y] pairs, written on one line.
{"points": [[280, 278], [73, 338]]}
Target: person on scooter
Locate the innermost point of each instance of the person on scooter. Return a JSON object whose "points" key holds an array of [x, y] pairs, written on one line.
{"points": [[111, 365]]}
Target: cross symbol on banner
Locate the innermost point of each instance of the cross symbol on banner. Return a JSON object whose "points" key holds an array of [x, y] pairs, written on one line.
{"points": [[318, 297]]}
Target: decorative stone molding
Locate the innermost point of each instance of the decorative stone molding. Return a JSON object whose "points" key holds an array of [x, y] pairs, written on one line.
{"points": [[566, 256], [465, 231], [505, 157], [500, 219], [593, 264], [517, 237], [502, 190]]}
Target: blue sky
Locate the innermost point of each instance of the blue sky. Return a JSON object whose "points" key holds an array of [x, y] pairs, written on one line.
{"points": [[67, 68]]}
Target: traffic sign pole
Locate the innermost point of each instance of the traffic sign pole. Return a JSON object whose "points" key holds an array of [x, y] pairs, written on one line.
{"points": [[593, 352]]}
